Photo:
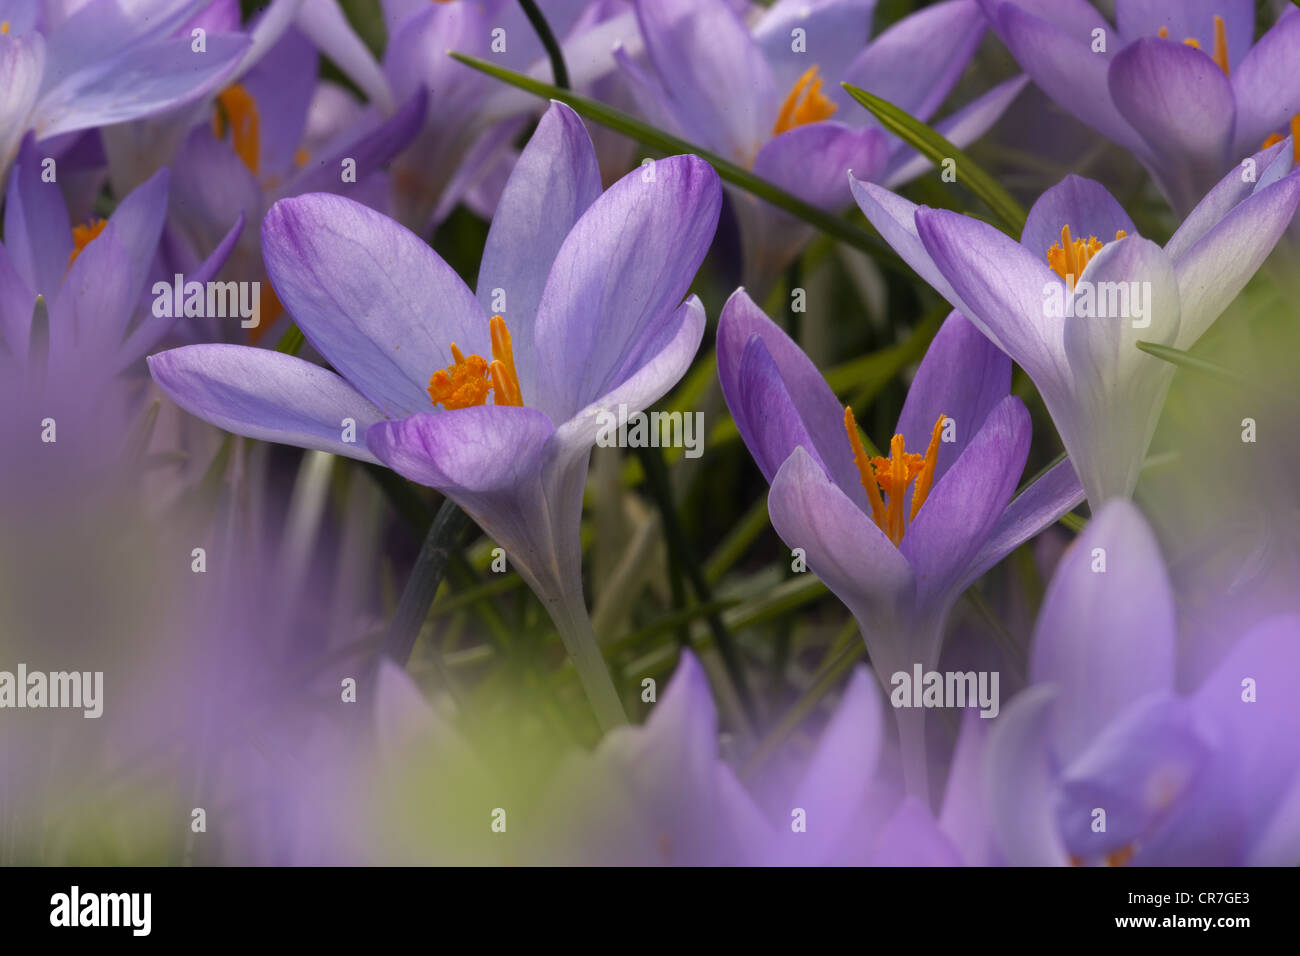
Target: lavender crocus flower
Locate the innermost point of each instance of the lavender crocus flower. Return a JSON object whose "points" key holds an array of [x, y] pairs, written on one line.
{"points": [[108, 61], [586, 292], [769, 98], [896, 538], [259, 146], [1207, 775], [93, 319], [1070, 301], [1181, 84]]}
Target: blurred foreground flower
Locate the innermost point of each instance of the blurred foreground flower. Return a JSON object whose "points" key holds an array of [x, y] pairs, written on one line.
{"points": [[1105, 761]]}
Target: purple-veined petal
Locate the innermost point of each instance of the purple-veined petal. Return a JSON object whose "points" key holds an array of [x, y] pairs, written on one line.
{"points": [[844, 548], [553, 183], [1019, 783], [150, 78], [965, 504], [1106, 637], [1218, 266], [963, 377], [820, 412], [1082, 204], [618, 279], [1266, 84], [999, 285], [267, 395], [895, 219], [811, 160], [713, 72], [371, 297], [37, 232], [22, 64], [1038, 506], [1181, 103], [1224, 197], [1067, 70], [915, 63], [960, 128]]}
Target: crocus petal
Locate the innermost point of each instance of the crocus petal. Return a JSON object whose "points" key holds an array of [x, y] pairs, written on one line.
{"points": [[22, 64], [845, 549], [267, 395], [965, 504], [1218, 266], [1035, 508], [895, 219], [1067, 70], [842, 769], [1076, 18], [1254, 694], [1107, 419], [1278, 843], [209, 185], [149, 78], [660, 372], [324, 22], [819, 411], [915, 63], [619, 277], [93, 305], [1106, 634], [713, 72], [913, 838], [999, 285], [1190, 20], [961, 129], [1266, 83], [37, 232], [1144, 768], [1082, 204], [811, 160], [964, 815], [359, 286], [771, 425], [835, 31], [1181, 103], [282, 86], [554, 181], [1020, 783], [963, 377], [16, 304], [1224, 197]]}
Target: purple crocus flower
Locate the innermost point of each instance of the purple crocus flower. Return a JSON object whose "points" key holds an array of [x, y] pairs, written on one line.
{"points": [[897, 539], [769, 98], [587, 295], [109, 61], [471, 119], [1106, 761], [1070, 301], [94, 320], [1181, 84], [267, 151]]}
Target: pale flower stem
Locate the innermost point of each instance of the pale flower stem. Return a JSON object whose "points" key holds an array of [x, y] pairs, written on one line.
{"points": [[911, 736], [573, 623]]}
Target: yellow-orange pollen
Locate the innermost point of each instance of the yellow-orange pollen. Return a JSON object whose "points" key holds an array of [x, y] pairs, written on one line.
{"points": [[1276, 138], [1069, 257], [236, 110], [1220, 42], [804, 104], [886, 479], [4, 26], [467, 381], [83, 236]]}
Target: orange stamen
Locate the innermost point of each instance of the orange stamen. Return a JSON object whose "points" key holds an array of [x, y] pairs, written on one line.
{"points": [[300, 157], [1069, 257], [467, 381], [1220, 43], [4, 26], [1275, 138], [892, 476], [804, 104], [83, 236], [237, 109]]}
